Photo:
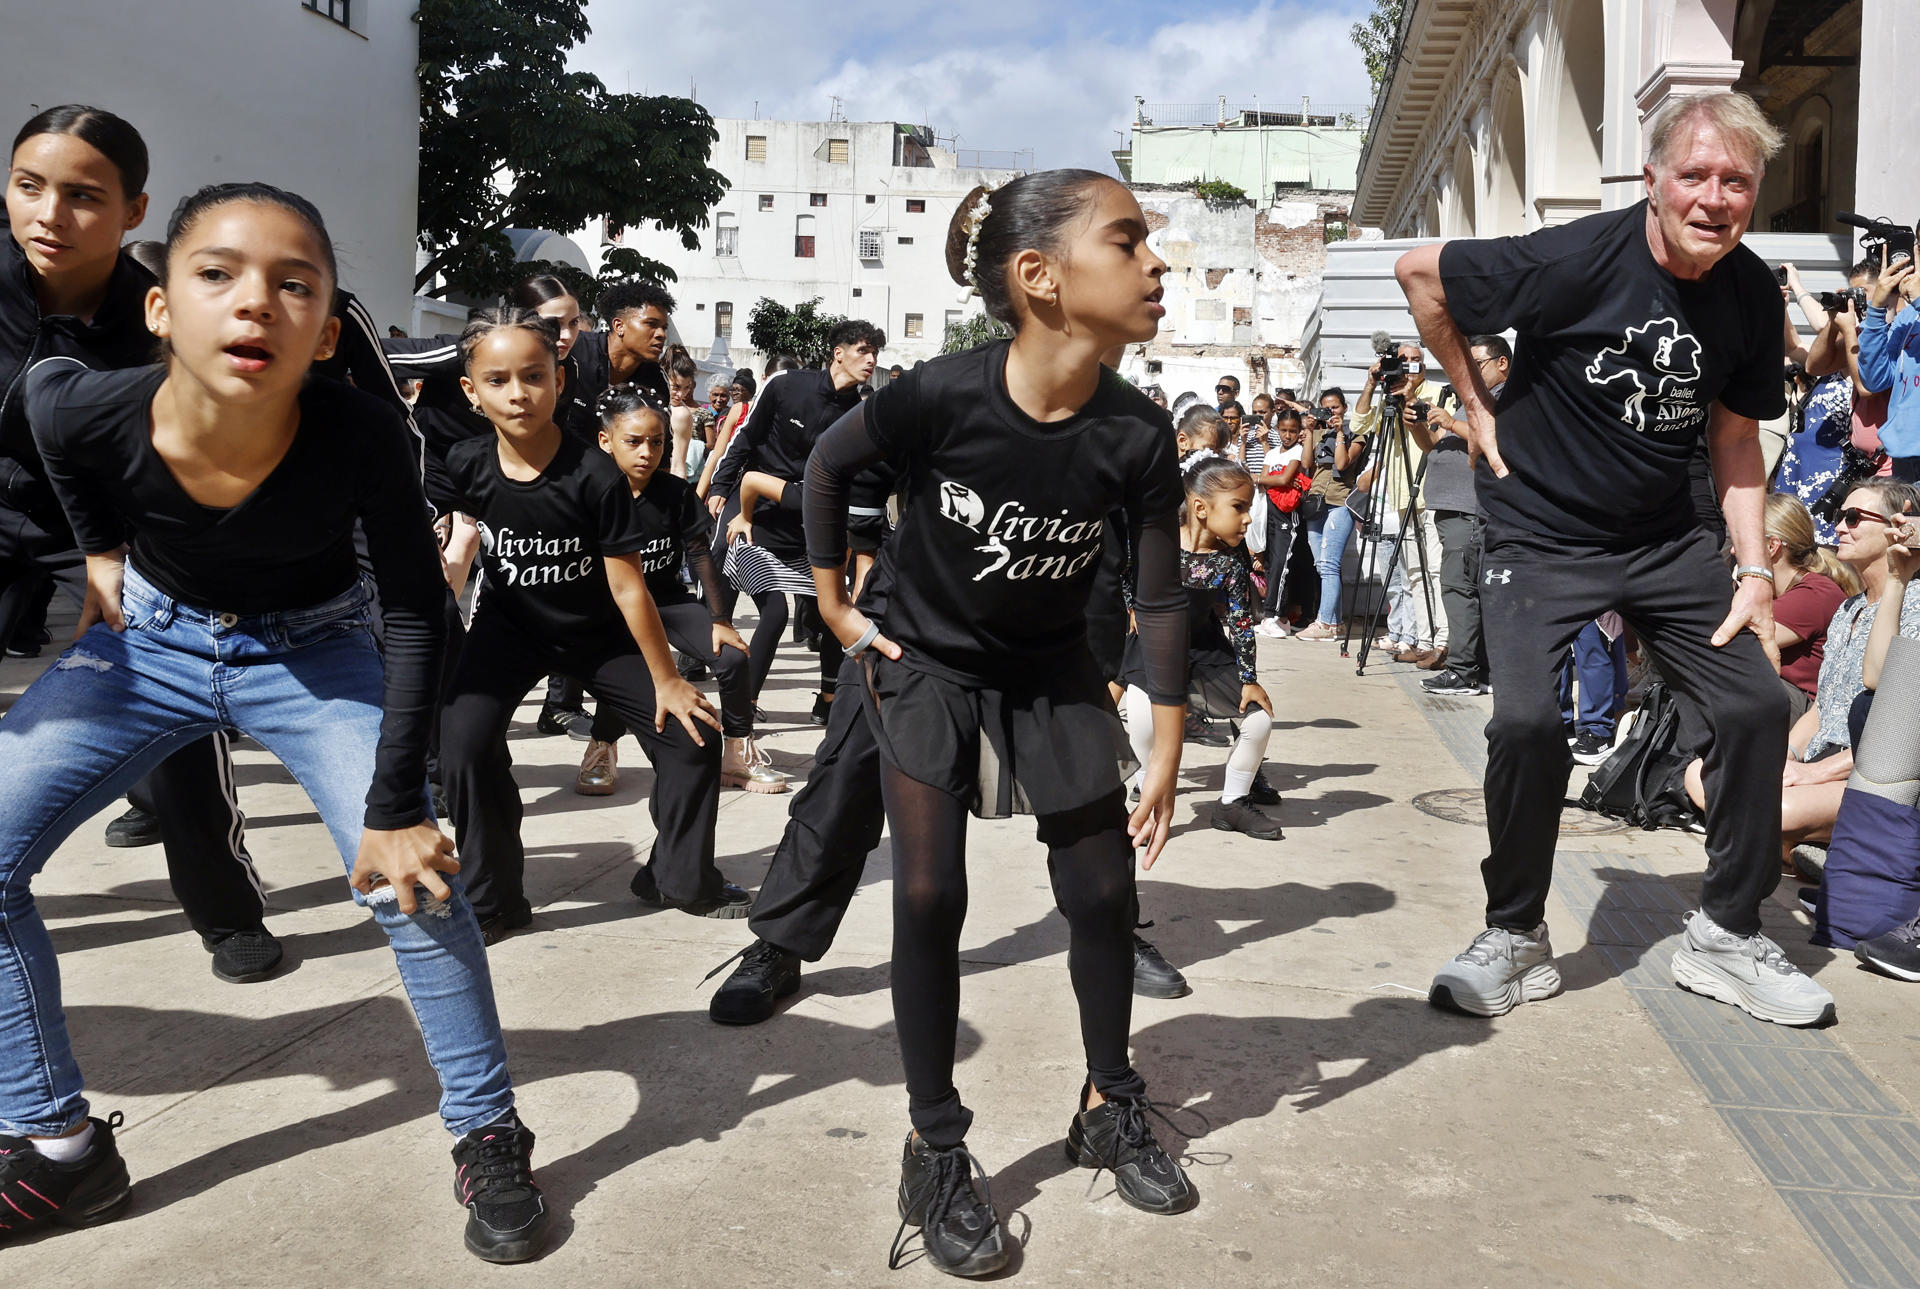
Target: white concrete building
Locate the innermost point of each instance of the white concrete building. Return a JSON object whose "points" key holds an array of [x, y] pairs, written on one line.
{"points": [[1504, 116], [318, 96], [855, 213], [1269, 155]]}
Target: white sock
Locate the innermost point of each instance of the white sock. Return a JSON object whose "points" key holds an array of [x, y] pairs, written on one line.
{"points": [[64, 1150], [1139, 729], [1256, 727]]}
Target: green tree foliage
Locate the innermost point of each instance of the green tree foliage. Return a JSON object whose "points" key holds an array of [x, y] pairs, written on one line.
{"points": [[509, 138], [802, 331], [1219, 190], [1378, 38], [971, 332]]}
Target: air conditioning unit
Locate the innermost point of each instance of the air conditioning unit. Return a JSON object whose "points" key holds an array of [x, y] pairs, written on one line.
{"points": [[870, 241]]}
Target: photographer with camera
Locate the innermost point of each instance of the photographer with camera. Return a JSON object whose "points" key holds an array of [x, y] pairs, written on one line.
{"points": [[1819, 461], [1641, 332], [1890, 360], [1413, 590]]}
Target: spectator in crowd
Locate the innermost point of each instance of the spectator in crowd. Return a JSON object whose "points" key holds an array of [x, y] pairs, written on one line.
{"points": [[1838, 349], [1158, 395], [1599, 659], [397, 333], [1225, 390], [1820, 744], [1890, 360], [1339, 456], [1812, 585], [1232, 417], [1413, 590], [1457, 517], [1814, 455], [1283, 459]]}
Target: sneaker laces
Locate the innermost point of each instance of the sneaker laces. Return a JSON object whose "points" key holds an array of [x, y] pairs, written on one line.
{"points": [[754, 754], [599, 757], [1494, 942], [1762, 950], [761, 953], [499, 1171], [945, 1182], [1132, 1131], [1907, 932]]}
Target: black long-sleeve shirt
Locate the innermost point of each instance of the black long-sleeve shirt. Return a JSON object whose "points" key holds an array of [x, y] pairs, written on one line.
{"points": [[1005, 517], [287, 545], [786, 421]]}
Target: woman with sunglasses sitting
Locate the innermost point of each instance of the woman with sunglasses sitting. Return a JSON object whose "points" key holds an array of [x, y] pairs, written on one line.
{"points": [[1820, 744]]}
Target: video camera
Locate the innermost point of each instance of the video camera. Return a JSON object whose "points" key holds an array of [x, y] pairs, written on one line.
{"points": [[1393, 368], [1836, 301], [1856, 467], [1878, 233]]}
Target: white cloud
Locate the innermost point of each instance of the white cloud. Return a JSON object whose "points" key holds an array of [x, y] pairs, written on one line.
{"points": [[1053, 76]]}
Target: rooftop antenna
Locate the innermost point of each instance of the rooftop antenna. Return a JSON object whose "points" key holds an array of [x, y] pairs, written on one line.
{"points": [[837, 113]]}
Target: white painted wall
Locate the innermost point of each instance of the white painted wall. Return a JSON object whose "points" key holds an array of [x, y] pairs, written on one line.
{"points": [[866, 192], [1887, 182], [233, 90]]}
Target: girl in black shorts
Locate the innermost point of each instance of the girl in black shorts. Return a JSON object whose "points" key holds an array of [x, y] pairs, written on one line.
{"points": [[983, 695], [565, 593], [633, 428]]}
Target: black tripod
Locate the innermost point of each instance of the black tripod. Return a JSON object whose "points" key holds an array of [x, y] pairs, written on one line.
{"points": [[1395, 449]]}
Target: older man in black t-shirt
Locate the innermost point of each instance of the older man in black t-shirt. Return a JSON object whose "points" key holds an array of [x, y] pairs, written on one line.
{"points": [[1638, 331]]}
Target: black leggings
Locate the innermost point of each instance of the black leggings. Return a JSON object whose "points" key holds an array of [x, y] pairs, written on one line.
{"points": [[690, 630], [1090, 861], [499, 664], [772, 606]]}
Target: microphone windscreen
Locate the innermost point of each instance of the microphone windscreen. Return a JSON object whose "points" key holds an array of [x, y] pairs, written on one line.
{"points": [[1382, 343]]}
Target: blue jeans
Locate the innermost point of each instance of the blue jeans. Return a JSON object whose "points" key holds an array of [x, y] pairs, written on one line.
{"points": [[1327, 535], [306, 685], [1602, 669]]}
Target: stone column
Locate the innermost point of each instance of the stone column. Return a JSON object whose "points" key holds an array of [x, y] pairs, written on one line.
{"points": [[1887, 177]]}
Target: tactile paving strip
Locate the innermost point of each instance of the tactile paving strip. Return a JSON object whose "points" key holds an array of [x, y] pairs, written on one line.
{"points": [[1843, 1155]]}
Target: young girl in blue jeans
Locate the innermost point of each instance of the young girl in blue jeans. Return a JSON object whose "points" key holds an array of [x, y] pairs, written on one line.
{"points": [[215, 499]]}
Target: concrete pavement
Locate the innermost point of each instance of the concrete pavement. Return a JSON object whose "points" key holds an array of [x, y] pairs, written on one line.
{"points": [[283, 1133]]}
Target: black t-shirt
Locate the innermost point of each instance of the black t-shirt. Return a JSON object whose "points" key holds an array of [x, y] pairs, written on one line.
{"points": [[1616, 366], [786, 420], [288, 545], [994, 559], [541, 541], [672, 523]]}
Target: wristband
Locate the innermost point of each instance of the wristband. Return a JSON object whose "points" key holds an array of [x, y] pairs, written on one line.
{"points": [[865, 642], [1751, 570]]}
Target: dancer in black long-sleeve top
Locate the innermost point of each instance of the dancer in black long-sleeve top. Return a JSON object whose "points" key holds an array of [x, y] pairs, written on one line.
{"points": [[983, 695], [564, 593]]}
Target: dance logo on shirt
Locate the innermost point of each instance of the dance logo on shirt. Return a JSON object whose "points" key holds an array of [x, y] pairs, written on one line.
{"points": [[536, 560], [1655, 371], [1020, 544], [659, 555]]}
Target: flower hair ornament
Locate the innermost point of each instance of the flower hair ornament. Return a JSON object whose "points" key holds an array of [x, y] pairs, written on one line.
{"points": [[976, 218]]}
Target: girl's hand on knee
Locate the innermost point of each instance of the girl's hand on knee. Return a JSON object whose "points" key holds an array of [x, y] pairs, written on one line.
{"points": [[105, 576], [725, 637], [682, 701], [405, 858]]}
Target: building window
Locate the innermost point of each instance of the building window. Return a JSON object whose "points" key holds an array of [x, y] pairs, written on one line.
{"points": [[916, 205], [916, 325], [803, 237], [341, 11], [613, 234], [856, 293], [816, 199], [723, 318], [837, 152], [869, 199], [726, 235], [766, 201], [869, 243], [756, 147], [953, 318], [906, 241]]}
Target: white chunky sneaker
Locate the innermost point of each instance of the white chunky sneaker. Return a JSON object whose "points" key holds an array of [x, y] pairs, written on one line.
{"points": [[1500, 970], [1749, 971]]}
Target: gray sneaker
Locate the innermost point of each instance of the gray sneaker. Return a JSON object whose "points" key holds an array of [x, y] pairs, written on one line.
{"points": [[1500, 970], [1748, 971]]}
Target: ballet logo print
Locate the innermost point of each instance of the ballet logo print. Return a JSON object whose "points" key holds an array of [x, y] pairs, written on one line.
{"points": [[1655, 373], [961, 504], [534, 561]]}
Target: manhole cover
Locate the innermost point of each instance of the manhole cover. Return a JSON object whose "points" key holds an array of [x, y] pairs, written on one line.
{"points": [[1467, 806]]}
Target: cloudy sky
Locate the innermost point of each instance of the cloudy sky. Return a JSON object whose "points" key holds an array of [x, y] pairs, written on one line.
{"points": [[1057, 76]]}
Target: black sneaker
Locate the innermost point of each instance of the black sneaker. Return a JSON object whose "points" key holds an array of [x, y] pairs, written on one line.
{"points": [[1243, 816], [493, 1181], [442, 810], [1153, 975], [242, 957], [495, 927], [1115, 1135], [571, 721], [766, 974], [1591, 749], [959, 1230], [822, 708], [28, 644], [1897, 953], [731, 902], [1200, 730], [1452, 682], [34, 1190], [691, 668], [134, 828], [1262, 793]]}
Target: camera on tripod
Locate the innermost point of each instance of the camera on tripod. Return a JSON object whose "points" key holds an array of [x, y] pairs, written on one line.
{"points": [[1394, 368], [1880, 232]]}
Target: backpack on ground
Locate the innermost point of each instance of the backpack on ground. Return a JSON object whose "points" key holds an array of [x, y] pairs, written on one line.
{"points": [[1644, 782]]}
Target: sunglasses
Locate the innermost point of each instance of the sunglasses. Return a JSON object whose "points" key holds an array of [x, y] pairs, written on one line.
{"points": [[1854, 516], [1223, 389]]}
